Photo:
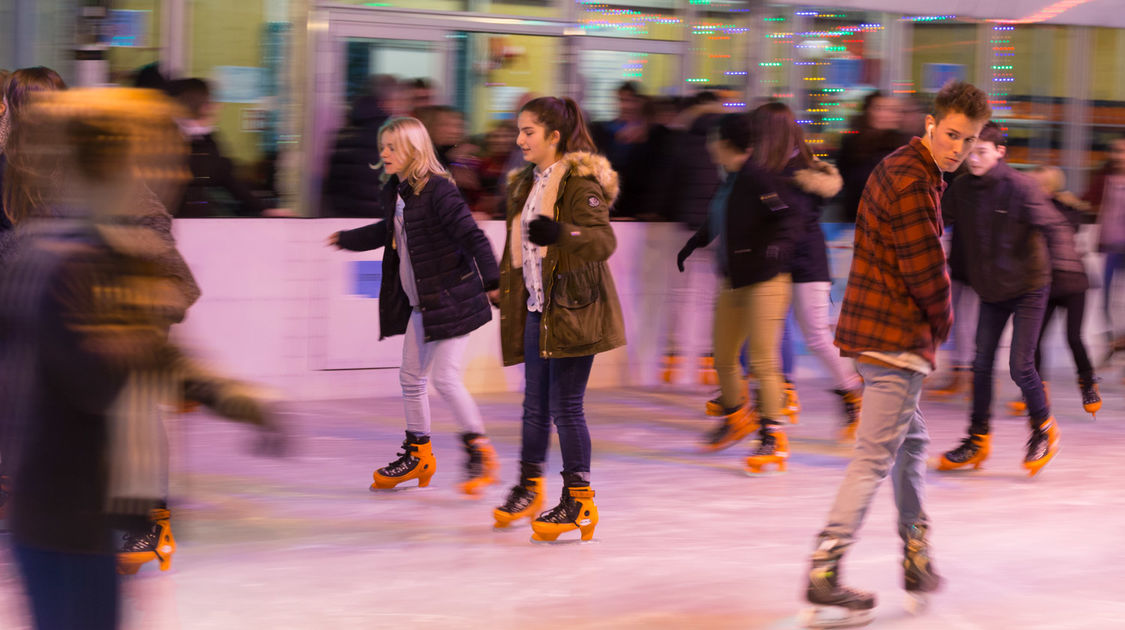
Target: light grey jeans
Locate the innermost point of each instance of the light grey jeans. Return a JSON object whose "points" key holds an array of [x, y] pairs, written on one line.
{"points": [[442, 360], [892, 438]]}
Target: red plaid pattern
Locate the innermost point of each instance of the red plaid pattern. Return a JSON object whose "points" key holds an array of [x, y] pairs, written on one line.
{"points": [[898, 297]]}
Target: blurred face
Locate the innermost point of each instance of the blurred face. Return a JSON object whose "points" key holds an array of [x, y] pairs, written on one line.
{"points": [[725, 155], [538, 146], [629, 105], [449, 130], [422, 97], [1117, 154], [951, 140], [884, 113], [393, 161], [500, 140], [983, 157]]}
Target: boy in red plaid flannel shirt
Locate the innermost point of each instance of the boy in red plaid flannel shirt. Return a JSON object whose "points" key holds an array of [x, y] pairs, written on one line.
{"points": [[896, 312]]}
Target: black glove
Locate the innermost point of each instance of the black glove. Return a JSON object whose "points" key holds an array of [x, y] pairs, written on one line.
{"points": [[543, 231], [683, 255]]}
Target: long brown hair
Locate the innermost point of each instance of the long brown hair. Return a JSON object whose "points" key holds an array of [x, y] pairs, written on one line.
{"points": [[778, 140], [27, 175], [564, 116], [23, 82]]}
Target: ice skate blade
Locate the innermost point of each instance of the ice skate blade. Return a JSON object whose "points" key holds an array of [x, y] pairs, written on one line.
{"points": [[557, 542], [835, 617], [917, 603], [399, 488]]}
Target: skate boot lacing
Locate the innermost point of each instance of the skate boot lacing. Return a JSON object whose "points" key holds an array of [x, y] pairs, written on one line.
{"points": [[963, 453], [405, 462], [519, 498], [768, 444], [1037, 445]]}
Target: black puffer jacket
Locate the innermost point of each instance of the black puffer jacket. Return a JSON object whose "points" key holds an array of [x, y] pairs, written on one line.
{"points": [[452, 259], [1012, 235], [760, 225], [810, 187], [351, 186]]}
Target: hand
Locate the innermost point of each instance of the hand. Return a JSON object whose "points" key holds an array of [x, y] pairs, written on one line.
{"points": [[543, 231], [683, 256], [334, 240], [273, 441], [280, 212], [494, 297]]}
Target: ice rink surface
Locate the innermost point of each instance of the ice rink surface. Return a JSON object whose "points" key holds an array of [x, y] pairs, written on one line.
{"points": [[686, 540]]}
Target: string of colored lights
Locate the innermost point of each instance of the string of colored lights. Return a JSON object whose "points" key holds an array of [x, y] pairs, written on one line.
{"points": [[1003, 73]]}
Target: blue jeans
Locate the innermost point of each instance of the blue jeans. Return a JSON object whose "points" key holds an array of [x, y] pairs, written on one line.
{"points": [[70, 590], [1026, 312], [892, 437], [554, 389]]}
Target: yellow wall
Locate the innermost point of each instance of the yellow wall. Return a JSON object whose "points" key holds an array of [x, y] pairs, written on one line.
{"points": [[537, 71], [1108, 76], [953, 43], [226, 33]]}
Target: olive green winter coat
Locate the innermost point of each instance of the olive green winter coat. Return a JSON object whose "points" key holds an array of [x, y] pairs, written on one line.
{"points": [[581, 312]]}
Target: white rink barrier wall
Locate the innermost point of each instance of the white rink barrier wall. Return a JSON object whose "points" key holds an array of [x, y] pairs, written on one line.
{"points": [[282, 309]]}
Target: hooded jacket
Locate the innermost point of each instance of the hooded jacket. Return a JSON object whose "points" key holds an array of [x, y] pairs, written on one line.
{"points": [[812, 186], [581, 312], [1013, 235]]}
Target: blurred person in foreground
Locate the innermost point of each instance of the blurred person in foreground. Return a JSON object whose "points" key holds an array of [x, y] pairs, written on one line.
{"points": [[895, 314], [1014, 236], [83, 310], [352, 186]]}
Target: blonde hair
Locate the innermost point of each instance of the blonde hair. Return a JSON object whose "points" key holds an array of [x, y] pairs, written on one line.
{"points": [[1051, 178], [412, 142]]}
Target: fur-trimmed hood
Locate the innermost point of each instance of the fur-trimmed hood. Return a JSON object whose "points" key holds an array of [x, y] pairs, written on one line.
{"points": [[578, 164], [820, 179]]}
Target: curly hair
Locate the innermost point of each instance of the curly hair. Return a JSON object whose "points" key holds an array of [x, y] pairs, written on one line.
{"points": [[958, 97]]}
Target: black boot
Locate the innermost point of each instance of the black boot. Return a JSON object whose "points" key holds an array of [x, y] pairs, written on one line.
{"points": [[824, 585], [525, 499], [576, 510]]}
